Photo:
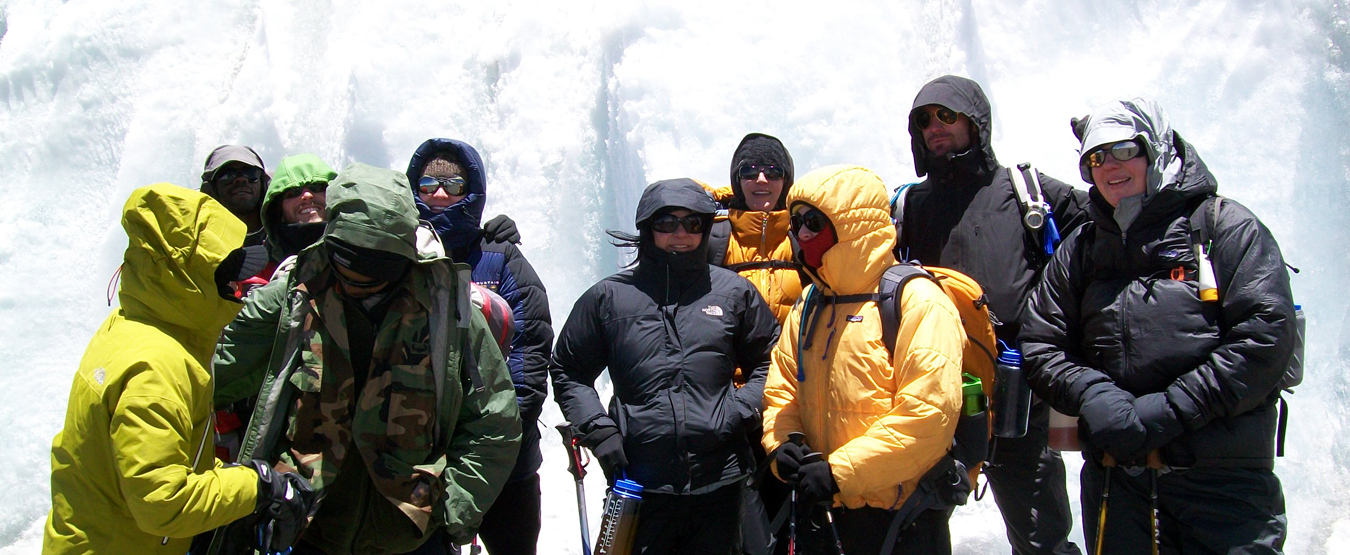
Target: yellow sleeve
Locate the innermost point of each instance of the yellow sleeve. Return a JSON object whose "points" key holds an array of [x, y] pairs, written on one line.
{"points": [[781, 414], [152, 438], [722, 194], [905, 442]]}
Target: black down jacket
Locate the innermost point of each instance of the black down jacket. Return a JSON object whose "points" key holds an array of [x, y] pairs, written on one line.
{"points": [[672, 332], [1109, 316], [966, 216]]}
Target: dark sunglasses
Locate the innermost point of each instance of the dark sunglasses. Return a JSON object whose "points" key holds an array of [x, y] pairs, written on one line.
{"points": [[225, 176], [317, 188], [813, 219], [454, 186], [750, 171], [349, 282], [924, 117], [1122, 151], [668, 223]]}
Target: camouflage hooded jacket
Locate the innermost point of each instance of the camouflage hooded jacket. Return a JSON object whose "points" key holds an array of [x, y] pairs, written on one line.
{"points": [[436, 376]]}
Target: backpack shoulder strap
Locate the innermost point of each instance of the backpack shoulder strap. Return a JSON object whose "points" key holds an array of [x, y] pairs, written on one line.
{"points": [[1203, 220], [892, 285], [719, 239]]}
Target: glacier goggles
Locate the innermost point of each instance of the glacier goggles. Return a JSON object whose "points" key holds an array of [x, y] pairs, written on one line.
{"points": [[751, 172], [812, 219], [1122, 151], [924, 116], [668, 223], [316, 188], [454, 186], [225, 176]]}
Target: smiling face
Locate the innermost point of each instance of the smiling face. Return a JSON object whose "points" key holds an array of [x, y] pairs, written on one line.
{"points": [[1116, 180], [680, 240], [439, 200], [945, 138], [304, 204], [762, 193]]}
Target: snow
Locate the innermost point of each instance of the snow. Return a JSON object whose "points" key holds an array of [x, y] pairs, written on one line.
{"points": [[576, 106]]}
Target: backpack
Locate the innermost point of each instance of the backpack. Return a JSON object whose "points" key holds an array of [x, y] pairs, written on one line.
{"points": [[1036, 211], [1202, 221]]}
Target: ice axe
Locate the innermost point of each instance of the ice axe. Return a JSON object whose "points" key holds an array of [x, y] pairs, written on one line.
{"points": [[577, 466]]}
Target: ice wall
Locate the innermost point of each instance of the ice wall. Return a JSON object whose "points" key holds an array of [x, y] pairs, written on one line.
{"points": [[576, 107]]}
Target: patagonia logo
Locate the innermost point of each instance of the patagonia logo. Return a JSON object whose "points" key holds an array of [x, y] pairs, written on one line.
{"points": [[854, 318], [713, 310]]}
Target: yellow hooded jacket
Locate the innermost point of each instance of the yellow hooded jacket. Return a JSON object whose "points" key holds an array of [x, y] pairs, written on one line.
{"points": [[882, 421], [759, 237], [135, 461]]}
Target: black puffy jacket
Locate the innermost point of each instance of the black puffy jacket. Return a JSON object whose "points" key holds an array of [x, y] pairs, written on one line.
{"points": [[966, 215], [672, 332], [1109, 311]]}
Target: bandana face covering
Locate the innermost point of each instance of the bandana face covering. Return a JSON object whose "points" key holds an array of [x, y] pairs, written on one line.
{"points": [[814, 249]]}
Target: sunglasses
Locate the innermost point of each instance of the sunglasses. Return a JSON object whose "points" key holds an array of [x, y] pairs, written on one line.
{"points": [[812, 219], [750, 171], [454, 186], [317, 188], [1122, 151], [924, 117], [225, 176], [349, 282], [668, 223]]}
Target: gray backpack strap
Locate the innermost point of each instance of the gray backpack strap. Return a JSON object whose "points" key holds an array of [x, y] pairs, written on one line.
{"points": [[719, 240]]}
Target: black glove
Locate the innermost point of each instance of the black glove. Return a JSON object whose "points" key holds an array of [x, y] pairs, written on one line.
{"points": [[815, 481], [285, 503], [789, 460], [1160, 423], [1111, 421], [607, 445], [501, 229]]}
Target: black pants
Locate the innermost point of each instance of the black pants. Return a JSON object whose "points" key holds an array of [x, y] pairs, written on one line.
{"points": [[863, 531], [511, 525], [1201, 510], [690, 524], [1028, 482]]}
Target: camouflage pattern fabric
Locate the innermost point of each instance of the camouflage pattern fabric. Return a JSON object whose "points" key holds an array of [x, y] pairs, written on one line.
{"points": [[390, 422]]}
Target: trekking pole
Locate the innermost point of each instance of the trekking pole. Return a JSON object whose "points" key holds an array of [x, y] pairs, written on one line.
{"points": [[798, 439], [577, 467], [1154, 465], [1109, 462]]}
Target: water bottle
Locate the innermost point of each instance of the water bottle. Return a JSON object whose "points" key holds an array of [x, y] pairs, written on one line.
{"points": [[619, 522], [1012, 395]]}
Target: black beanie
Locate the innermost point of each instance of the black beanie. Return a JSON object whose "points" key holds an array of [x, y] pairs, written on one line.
{"points": [[759, 149]]}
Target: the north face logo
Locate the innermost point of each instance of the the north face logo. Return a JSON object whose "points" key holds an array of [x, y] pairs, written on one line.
{"points": [[713, 310]]}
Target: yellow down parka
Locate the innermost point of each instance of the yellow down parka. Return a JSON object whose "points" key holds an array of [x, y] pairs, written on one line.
{"points": [[135, 462], [760, 237], [882, 421]]}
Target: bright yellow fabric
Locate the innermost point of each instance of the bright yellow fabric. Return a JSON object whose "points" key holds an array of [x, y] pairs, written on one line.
{"points": [[761, 236], [140, 408], [882, 421], [757, 237]]}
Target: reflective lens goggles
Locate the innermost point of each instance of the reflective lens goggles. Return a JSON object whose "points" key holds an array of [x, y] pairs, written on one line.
{"points": [[317, 188], [230, 174], [355, 284], [924, 116], [668, 223], [454, 186], [751, 172], [813, 219], [1122, 151]]}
